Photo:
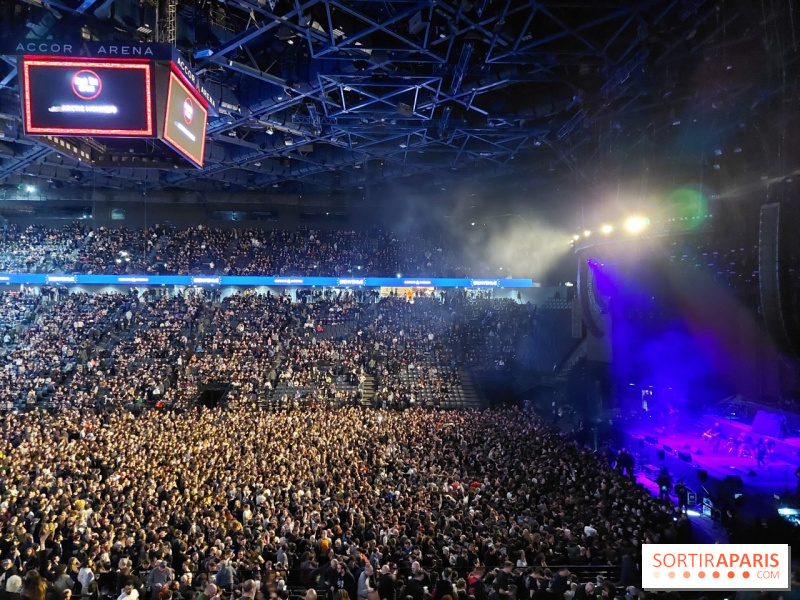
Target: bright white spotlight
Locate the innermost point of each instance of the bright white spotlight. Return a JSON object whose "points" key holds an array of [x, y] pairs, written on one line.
{"points": [[576, 237], [606, 229], [637, 224], [30, 189], [587, 233]]}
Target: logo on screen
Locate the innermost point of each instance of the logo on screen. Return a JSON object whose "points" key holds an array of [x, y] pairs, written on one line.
{"points": [[86, 84], [188, 111]]}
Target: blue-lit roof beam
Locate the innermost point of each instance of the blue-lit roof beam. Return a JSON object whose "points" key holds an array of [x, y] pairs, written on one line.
{"points": [[350, 41], [271, 21]]}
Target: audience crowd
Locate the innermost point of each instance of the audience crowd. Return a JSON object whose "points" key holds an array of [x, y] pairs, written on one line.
{"points": [[236, 501], [206, 250], [334, 346]]}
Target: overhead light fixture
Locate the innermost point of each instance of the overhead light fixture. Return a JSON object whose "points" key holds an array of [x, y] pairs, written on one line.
{"points": [[587, 233], [606, 229], [284, 34], [576, 237], [637, 224]]}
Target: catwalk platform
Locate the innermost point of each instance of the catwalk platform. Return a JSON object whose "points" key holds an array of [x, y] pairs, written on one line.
{"points": [[726, 462]]}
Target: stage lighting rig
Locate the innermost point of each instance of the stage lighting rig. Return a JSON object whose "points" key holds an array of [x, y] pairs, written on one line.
{"points": [[637, 224]]}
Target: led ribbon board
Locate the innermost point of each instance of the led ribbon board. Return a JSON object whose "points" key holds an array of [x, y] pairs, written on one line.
{"points": [[185, 122], [254, 280], [87, 97]]}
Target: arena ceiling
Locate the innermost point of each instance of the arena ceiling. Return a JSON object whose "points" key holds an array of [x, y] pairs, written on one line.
{"points": [[331, 95]]}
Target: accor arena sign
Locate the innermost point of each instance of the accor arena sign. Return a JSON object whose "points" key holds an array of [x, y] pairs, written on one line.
{"points": [[85, 49], [111, 50]]}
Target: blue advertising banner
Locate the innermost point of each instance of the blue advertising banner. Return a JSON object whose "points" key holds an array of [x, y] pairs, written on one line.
{"points": [[250, 281]]}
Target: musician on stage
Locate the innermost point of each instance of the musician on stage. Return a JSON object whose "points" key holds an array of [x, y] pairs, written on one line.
{"points": [[761, 453], [714, 436]]}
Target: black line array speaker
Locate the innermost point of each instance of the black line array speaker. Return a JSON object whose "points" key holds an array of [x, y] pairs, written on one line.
{"points": [[585, 283], [769, 273], [775, 224]]}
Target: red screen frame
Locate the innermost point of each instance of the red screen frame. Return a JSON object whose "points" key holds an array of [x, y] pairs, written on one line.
{"points": [[176, 78], [149, 131]]}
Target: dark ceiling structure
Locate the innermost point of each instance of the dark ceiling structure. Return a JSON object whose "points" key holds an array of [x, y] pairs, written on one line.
{"points": [[325, 96]]}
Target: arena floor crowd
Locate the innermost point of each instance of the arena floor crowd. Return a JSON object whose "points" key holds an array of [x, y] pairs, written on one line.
{"points": [[200, 502]]}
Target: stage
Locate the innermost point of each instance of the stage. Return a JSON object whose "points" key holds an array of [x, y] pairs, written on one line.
{"points": [[724, 465]]}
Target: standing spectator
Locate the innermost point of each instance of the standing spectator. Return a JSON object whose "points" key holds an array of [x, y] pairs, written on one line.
{"points": [[414, 587], [159, 579], [387, 584], [33, 586], [364, 582], [503, 580], [444, 587]]}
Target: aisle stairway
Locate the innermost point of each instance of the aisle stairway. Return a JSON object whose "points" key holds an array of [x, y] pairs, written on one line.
{"points": [[369, 391]]}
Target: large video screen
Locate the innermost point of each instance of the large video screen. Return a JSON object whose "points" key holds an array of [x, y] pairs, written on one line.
{"points": [[185, 123], [87, 98]]}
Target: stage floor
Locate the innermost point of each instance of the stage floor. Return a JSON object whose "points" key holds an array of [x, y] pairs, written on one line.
{"points": [[776, 477]]}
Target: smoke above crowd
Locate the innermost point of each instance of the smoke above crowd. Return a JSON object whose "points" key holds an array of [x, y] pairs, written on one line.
{"points": [[510, 236]]}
